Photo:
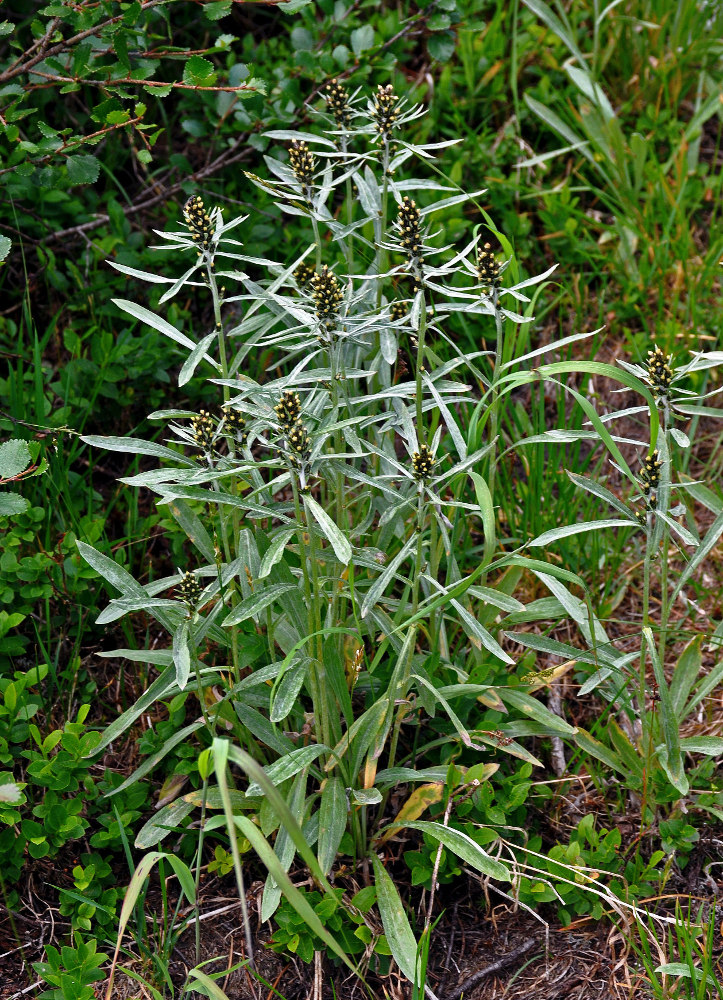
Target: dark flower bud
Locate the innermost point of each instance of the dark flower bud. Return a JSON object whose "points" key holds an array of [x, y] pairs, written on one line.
{"points": [[650, 473], [383, 113], [337, 103], [422, 463], [189, 589], [488, 270], [660, 373], [302, 162], [235, 423], [304, 275]]}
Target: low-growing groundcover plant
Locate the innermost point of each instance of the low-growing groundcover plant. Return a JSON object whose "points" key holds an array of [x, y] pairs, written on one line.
{"points": [[344, 618]]}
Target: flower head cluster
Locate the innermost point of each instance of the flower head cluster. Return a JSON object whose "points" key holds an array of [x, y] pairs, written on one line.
{"points": [[288, 410], [203, 425], [660, 372], [299, 442], [302, 162], [398, 310], [189, 589], [423, 463], [650, 473], [408, 222], [337, 103], [327, 295], [288, 413], [235, 423], [199, 222], [488, 269], [384, 112], [304, 275]]}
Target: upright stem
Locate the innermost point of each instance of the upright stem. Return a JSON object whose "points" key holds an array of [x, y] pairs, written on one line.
{"points": [[381, 252], [495, 399], [421, 332]]}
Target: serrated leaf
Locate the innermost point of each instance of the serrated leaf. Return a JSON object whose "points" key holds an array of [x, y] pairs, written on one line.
{"points": [[199, 72], [15, 457], [83, 169], [12, 503]]}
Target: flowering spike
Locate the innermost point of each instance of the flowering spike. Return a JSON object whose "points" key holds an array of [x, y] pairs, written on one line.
{"points": [[288, 410], [383, 113], [189, 589], [198, 221], [337, 103], [302, 162], [203, 428], [327, 295], [660, 372], [488, 269], [650, 473], [423, 463]]}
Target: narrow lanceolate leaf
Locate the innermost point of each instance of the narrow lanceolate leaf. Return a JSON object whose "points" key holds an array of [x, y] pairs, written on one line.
{"points": [[257, 603], [396, 924], [464, 847], [160, 324], [378, 587], [332, 821], [135, 446], [191, 363], [165, 821], [674, 765], [554, 534], [182, 654], [293, 895], [109, 569], [340, 544], [275, 552], [288, 766]]}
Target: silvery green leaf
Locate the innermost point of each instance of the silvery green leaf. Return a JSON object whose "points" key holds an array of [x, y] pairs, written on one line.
{"points": [[681, 439], [388, 344], [289, 135], [685, 536], [111, 571], [275, 552], [456, 199], [287, 690], [189, 365], [182, 654], [121, 606], [711, 746], [599, 491], [366, 796], [256, 603], [340, 544], [380, 584], [547, 537], [165, 821], [179, 283], [135, 446], [160, 324], [516, 317], [290, 764]]}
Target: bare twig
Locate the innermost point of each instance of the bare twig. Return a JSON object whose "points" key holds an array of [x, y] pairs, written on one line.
{"points": [[501, 963]]}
